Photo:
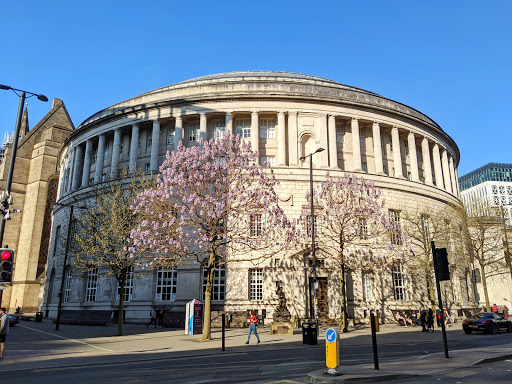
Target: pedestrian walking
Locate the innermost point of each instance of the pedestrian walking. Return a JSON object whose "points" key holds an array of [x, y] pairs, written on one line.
{"points": [[423, 318], [4, 330], [228, 320], [495, 308], [430, 320], [505, 311], [253, 321], [160, 316], [152, 314]]}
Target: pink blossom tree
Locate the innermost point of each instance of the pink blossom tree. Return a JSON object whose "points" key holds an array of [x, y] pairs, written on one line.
{"points": [[213, 205], [355, 229]]}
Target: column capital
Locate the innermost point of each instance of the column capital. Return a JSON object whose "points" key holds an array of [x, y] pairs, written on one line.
{"points": [[157, 120], [281, 113], [355, 119], [376, 123], [255, 113]]}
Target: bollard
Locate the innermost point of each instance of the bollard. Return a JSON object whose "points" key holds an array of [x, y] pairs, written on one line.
{"points": [[223, 332], [375, 328], [332, 352]]}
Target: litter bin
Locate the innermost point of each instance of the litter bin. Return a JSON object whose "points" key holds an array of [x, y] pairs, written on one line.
{"points": [[39, 317], [309, 333]]}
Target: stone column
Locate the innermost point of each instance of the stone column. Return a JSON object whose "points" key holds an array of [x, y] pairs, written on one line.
{"points": [[446, 172], [79, 156], [87, 164], [229, 124], [413, 157], [281, 139], [356, 145], [333, 146], [293, 142], [377, 149], [203, 123], [323, 134], [100, 158], [427, 167], [397, 154], [452, 175], [116, 150], [178, 132], [134, 147], [436, 157], [255, 132], [71, 164], [155, 146], [457, 182]]}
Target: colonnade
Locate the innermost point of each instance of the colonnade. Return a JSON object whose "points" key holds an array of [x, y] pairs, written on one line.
{"points": [[441, 171]]}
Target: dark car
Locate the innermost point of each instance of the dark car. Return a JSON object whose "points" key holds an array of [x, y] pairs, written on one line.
{"points": [[13, 319], [486, 322]]}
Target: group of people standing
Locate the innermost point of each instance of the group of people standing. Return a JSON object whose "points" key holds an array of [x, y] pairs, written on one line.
{"points": [[426, 319]]}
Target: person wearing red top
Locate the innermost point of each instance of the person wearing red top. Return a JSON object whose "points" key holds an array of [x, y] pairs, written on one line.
{"points": [[253, 320]]}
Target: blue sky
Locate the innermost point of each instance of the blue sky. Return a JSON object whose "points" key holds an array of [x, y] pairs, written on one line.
{"points": [[451, 60]]}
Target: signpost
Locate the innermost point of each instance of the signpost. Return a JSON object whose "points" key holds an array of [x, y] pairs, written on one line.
{"points": [[332, 351]]}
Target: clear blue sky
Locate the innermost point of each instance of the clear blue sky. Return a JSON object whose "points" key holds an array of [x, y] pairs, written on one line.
{"points": [[451, 60]]}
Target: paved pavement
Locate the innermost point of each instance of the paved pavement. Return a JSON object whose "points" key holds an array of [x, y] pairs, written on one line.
{"points": [[33, 345]]}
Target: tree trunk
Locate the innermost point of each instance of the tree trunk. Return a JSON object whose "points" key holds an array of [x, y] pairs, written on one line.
{"points": [[486, 294], [343, 300], [207, 326], [120, 319]]}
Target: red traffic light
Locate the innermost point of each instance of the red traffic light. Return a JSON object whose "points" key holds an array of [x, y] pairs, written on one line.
{"points": [[6, 255]]}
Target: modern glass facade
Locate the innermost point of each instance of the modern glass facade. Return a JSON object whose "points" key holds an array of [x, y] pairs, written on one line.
{"points": [[489, 172]]}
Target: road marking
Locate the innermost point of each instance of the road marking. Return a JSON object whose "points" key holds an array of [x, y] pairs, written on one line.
{"points": [[66, 338]]}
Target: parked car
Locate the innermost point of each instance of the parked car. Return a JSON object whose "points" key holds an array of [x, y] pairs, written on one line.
{"points": [[13, 319], [486, 322]]}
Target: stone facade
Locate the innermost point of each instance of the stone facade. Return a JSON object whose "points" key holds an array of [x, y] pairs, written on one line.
{"points": [[34, 190], [284, 116]]}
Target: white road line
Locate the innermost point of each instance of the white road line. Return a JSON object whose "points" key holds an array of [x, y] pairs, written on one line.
{"points": [[66, 338]]}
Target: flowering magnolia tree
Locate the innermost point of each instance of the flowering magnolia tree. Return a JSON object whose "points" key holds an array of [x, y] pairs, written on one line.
{"points": [[213, 204], [355, 229]]}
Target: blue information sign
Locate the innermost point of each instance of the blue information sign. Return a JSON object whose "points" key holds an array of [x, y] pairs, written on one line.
{"points": [[331, 335]]}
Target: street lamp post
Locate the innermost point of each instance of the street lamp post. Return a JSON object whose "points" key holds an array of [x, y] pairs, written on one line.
{"points": [[8, 183], [313, 253]]}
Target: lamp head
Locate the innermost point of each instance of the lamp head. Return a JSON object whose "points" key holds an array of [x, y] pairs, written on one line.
{"points": [[42, 98], [319, 150], [4, 86]]}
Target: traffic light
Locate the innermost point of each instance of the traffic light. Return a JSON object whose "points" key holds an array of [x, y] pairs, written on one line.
{"points": [[442, 265], [6, 262]]}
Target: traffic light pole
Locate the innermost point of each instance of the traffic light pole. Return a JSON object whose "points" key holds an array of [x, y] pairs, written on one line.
{"points": [[14, 149], [438, 285]]}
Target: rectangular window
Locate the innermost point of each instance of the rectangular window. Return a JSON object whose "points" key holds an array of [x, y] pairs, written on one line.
{"points": [[367, 286], [363, 229], [56, 241], [128, 287], [170, 136], [361, 137], [256, 225], [67, 285], [383, 147], [149, 142], [400, 283], [94, 157], [406, 146], [219, 128], [243, 128], [147, 169], [107, 151], [396, 231], [219, 283], [419, 154], [256, 284], [193, 132], [270, 160], [340, 134], [92, 285], [267, 129], [308, 225], [390, 144], [364, 166], [166, 282], [103, 177]]}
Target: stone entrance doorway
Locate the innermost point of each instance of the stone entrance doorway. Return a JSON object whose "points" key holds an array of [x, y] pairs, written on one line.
{"points": [[323, 303]]}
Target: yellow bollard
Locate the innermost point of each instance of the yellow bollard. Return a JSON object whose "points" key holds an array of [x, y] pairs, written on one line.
{"points": [[376, 323], [332, 351]]}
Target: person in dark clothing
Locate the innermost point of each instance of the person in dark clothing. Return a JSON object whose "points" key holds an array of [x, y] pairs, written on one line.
{"points": [[160, 316], [152, 315], [423, 319], [430, 319]]}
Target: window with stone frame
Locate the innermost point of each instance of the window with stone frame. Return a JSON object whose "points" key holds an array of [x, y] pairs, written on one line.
{"points": [[67, 285], [400, 283], [390, 144], [383, 147], [364, 166], [363, 229], [367, 286], [193, 131], [256, 284], [171, 132], [219, 129], [396, 231], [106, 153], [362, 138], [166, 283], [147, 168], [406, 146], [218, 285], [419, 155], [92, 285], [340, 133], [256, 225], [149, 141], [243, 128], [308, 225], [128, 286], [270, 160], [267, 128]]}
